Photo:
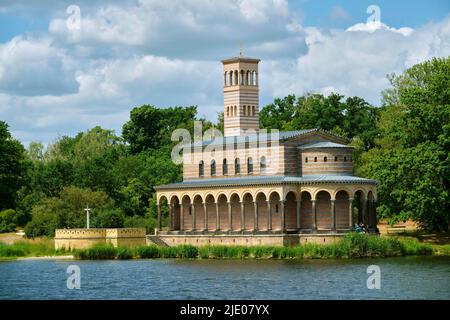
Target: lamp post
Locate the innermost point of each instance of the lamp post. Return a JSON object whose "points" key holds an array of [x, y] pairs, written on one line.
{"points": [[88, 211]]}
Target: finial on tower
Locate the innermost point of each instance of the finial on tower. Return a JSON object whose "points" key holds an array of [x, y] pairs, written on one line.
{"points": [[241, 51]]}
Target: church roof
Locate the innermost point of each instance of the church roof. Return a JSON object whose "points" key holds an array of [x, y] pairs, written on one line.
{"points": [[324, 145], [240, 59], [261, 137], [265, 180]]}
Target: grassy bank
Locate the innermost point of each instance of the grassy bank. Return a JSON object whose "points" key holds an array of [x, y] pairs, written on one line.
{"points": [[29, 248], [351, 246]]}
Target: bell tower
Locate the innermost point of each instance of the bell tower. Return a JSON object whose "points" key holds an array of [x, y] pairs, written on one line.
{"points": [[240, 95]]}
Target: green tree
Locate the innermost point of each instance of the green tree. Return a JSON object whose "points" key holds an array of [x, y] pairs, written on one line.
{"points": [[13, 167], [50, 177], [352, 117], [412, 161], [150, 127], [112, 218], [8, 220], [66, 211]]}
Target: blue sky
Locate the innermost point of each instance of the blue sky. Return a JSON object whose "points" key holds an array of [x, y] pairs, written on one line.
{"points": [[58, 81]]}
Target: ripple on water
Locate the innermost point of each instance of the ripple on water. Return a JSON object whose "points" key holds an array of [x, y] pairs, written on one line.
{"points": [[401, 278]]}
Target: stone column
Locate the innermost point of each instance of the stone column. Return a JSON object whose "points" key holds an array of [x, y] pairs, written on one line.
{"points": [[283, 216], [372, 218], [375, 222], [181, 217], [314, 215], [364, 211], [171, 217], [299, 205], [269, 212], [230, 226], [255, 222], [205, 220], [194, 217], [158, 209], [350, 213], [217, 217], [242, 216], [333, 214]]}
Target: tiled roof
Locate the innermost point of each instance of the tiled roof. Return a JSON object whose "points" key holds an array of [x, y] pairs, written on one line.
{"points": [[264, 180], [270, 135], [323, 144]]}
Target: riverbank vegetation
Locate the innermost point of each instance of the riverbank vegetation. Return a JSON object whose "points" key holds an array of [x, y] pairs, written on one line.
{"points": [[351, 246], [30, 248], [404, 144]]}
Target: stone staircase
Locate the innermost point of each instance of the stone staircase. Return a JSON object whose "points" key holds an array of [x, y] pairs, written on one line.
{"points": [[156, 240]]}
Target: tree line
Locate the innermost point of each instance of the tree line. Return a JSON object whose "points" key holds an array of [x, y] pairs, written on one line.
{"points": [[404, 144]]}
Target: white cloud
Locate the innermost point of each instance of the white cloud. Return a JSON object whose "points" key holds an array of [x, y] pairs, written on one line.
{"points": [[356, 63], [167, 53], [372, 26], [31, 66]]}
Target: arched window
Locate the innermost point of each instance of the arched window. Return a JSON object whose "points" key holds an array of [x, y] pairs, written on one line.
{"points": [[225, 167], [213, 167], [254, 78], [249, 165], [225, 78], [325, 159], [306, 159], [201, 168], [231, 78], [242, 78], [315, 159], [276, 208], [236, 77], [235, 111], [253, 111], [335, 158], [345, 159], [228, 111], [245, 110], [249, 80], [237, 166], [263, 165]]}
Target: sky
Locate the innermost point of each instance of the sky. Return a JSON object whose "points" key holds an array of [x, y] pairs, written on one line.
{"points": [[67, 66]]}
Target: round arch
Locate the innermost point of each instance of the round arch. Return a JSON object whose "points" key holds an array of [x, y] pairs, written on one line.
{"points": [[290, 210], [306, 217], [323, 209]]}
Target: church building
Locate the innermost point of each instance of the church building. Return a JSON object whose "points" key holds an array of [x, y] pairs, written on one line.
{"points": [[263, 187]]}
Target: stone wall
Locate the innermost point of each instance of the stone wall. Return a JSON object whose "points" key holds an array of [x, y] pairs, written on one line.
{"points": [[244, 240], [84, 238]]}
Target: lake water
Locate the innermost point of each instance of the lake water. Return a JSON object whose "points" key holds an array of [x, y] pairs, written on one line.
{"points": [[401, 278]]}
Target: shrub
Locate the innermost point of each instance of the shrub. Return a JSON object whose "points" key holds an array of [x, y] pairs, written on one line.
{"points": [[147, 252], [187, 251], [8, 220], [9, 251], [136, 221], [97, 252], [109, 218], [124, 253]]}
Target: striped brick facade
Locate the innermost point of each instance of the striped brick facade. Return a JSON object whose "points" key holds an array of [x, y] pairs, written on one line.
{"points": [[240, 96], [249, 183]]}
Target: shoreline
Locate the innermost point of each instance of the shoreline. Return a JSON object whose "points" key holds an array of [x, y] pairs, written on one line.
{"points": [[66, 257], [351, 246], [72, 257]]}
